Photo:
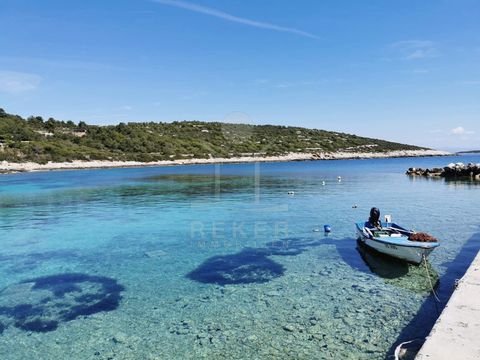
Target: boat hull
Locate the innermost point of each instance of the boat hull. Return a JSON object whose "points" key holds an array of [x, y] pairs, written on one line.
{"points": [[414, 252]]}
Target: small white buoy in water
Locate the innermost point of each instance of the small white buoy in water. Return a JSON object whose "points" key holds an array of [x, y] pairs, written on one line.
{"points": [[323, 183], [291, 193], [339, 178], [316, 230]]}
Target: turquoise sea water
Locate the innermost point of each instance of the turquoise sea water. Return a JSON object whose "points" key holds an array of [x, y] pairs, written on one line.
{"points": [[220, 262]]}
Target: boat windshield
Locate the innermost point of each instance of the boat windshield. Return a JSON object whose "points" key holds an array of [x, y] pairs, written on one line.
{"points": [[381, 233]]}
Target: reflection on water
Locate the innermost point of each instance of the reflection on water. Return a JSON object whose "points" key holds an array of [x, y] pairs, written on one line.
{"points": [[462, 183], [397, 272], [458, 183], [181, 187], [385, 266]]}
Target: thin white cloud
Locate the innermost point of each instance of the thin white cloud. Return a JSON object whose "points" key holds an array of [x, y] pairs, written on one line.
{"points": [[58, 62], [261, 81], [415, 49], [14, 82], [420, 71], [194, 95], [232, 18], [306, 83], [461, 131], [286, 85]]}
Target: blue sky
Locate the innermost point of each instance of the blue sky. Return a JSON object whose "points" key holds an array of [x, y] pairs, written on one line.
{"points": [[401, 70]]}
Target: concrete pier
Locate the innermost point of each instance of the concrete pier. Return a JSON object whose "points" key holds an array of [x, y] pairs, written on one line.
{"points": [[456, 334]]}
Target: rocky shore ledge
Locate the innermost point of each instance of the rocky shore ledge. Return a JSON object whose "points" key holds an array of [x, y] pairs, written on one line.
{"points": [[451, 171], [9, 167]]}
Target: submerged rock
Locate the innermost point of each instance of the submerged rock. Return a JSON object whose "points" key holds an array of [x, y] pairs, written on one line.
{"points": [[245, 267], [289, 328], [41, 304], [155, 253]]}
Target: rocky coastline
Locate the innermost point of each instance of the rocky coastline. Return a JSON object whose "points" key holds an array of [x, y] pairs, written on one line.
{"points": [[451, 171], [11, 167]]}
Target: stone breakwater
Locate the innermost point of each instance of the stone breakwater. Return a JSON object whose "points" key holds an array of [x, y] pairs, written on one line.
{"points": [[451, 171]]}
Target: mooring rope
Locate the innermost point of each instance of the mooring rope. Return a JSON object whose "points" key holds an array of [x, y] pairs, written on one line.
{"points": [[397, 354], [429, 279]]}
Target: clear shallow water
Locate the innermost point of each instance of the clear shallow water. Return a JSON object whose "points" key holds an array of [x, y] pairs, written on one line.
{"points": [[220, 262]]}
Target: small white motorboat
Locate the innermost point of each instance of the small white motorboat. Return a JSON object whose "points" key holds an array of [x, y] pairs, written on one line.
{"points": [[394, 240]]}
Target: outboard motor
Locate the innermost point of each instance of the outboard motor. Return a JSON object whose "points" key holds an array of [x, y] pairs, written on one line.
{"points": [[374, 218]]}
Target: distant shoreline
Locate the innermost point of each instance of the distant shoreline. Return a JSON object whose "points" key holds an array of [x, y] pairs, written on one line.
{"points": [[12, 167], [468, 152]]}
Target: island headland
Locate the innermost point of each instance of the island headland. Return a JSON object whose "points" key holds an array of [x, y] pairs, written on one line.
{"points": [[36, 144]]}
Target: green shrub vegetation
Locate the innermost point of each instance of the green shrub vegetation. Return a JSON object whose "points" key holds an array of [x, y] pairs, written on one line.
{"points": [[39, 140]]}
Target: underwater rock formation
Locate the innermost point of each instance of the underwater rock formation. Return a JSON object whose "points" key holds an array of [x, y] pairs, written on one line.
{"points": [[245, 267], [251, 265], [41, 304]]}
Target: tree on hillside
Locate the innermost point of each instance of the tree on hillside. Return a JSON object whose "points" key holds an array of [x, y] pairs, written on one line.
{"points": [[50, 124]]}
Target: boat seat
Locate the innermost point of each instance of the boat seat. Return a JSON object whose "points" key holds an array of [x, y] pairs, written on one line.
{"points": [[367, 231]]}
